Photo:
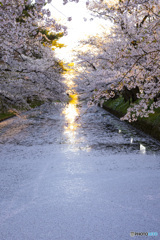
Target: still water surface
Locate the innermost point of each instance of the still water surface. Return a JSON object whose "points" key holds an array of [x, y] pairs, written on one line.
{"points": [[72, 173], [77, 128]]}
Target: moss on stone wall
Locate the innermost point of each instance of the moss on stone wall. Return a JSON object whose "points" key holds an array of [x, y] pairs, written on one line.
{"points": [[150, 125], [4, 116]]}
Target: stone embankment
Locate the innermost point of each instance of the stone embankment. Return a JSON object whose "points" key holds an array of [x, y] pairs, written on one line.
{"points": [[150, 125]]}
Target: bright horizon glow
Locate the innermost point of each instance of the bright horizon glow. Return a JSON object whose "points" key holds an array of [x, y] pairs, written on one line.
{"points": [[78, 28]]}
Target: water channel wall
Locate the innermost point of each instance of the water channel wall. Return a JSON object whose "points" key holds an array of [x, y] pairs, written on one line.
{"points": [[150, 125], [5, 113]]}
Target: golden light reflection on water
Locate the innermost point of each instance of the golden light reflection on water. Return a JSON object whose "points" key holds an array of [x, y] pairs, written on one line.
{"points": [[71, 113]]}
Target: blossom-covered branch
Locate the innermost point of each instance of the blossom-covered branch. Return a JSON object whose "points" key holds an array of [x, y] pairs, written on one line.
{"points": [[28, 66], [128, 57]]}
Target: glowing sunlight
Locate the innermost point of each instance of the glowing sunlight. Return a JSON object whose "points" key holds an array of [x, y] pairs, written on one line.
{"points": [[81, 27], [71, 113]]}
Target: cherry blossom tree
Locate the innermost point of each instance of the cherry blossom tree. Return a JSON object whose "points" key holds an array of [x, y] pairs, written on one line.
{"points": [[28, 67], [128, 57]]}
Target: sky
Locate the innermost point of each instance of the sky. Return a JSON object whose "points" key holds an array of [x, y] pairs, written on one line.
{"points": [[78, 12], [79, 28]]}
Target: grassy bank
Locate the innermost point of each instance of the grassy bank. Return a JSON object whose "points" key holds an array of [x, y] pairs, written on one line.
{"points": [[150, 125], [33, 104], [4, 116]]}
